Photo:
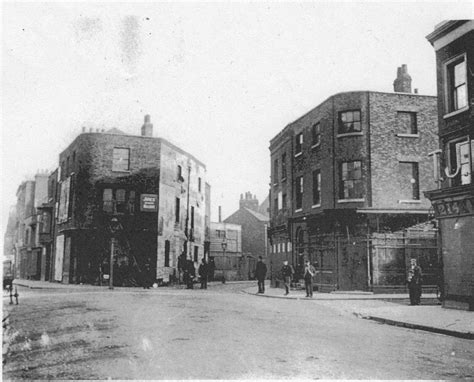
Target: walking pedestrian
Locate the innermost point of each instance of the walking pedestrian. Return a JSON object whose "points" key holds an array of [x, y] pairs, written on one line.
{"points": [[260, 273], [203, 273], [287, 273], [309, 272], [415, 281]]}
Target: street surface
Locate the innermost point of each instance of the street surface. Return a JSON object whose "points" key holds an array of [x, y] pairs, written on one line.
{"points": [[218, 333]]}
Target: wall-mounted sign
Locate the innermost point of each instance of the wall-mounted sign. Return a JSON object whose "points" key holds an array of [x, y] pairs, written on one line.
{"points": [[148, 202]]}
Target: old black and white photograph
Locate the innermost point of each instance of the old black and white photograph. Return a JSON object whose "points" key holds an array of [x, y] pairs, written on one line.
{"points": [[248, 190]]}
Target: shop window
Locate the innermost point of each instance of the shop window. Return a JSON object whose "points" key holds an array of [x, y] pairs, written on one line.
{"points": [[120, 205]]}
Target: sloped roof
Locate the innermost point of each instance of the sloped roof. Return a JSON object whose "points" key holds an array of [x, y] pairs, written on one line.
{"points": [[258, 215]]}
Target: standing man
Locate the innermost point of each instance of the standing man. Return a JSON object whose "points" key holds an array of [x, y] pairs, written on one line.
{"points": [[260, 273], [190, 274], [287, 273], [309, 272], [415, 281], [203, 273]]}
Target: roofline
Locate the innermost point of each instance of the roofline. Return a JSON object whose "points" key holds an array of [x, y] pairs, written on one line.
{"points": [[443, 28], [347, 92], [157, 139]]}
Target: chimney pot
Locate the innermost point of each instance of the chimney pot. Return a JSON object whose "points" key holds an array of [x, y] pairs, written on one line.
{"points": [[90, 130], [416, 91], [83, 129]]}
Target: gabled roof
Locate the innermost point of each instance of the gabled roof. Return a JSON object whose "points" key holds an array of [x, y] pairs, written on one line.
{"points": [[258, 215]]}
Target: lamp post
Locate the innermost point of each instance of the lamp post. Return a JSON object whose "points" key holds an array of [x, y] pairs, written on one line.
{"points": [[224, 247]]}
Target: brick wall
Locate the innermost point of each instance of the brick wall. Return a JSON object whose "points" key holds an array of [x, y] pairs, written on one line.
{"points": [[253, 232], [389, 146]]}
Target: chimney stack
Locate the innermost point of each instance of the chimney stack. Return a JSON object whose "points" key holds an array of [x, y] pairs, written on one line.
{"points": [[147, 128], [220, 214], [402, 83]]}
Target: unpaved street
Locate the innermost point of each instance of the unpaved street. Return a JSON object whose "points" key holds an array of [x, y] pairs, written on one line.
{"points": [[219, 334]]}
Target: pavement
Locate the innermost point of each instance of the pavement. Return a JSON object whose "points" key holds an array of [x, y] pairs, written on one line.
{"points": [[391, 309]]}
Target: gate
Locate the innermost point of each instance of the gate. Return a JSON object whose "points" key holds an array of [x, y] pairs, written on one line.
{"points": [[391, 254]]}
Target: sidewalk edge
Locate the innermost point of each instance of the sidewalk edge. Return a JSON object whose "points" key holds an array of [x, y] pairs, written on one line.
{"points": [[453, 333]]}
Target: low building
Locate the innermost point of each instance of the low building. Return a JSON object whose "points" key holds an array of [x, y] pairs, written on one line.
{"points": [[254, 229], [225, 255], [453, 201]]}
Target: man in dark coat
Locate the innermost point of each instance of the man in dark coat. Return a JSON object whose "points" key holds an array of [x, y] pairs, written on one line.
{"points": [[203, 273], [287, 273], [189, 274], [415, 281], [260, 273]]}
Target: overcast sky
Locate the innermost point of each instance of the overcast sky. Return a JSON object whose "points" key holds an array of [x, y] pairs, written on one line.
{"points": [[219, 80]]}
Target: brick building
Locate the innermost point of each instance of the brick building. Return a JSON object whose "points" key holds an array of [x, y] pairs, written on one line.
{"points": [[352, 166], [254, 228], [153, 192], [453, 201], [26, 247]]}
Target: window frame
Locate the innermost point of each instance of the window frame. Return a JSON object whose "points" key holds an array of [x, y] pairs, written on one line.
{"points": [[449, 87], [283, 166], [299, 188], [412, 130], [299, 144], [341, 123], [342, 181], [415, 181], [115, 166], [316, 132], [316, 187]]}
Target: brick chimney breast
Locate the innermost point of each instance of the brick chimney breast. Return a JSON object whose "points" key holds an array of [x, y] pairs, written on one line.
{"points": [[402, 83], [147, 128]]}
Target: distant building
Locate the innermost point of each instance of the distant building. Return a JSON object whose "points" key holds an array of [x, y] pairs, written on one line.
{"points": [[150, 194], [28, 250], [254, 228], [225, 255], [354, 165], [453, 201]]}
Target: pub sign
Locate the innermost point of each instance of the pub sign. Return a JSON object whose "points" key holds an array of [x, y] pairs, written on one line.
{"points": [[148, 202]]}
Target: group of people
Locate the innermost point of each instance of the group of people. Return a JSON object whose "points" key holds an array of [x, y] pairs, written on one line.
{"points": [[414, 278], [188, 272], [287, 273]]}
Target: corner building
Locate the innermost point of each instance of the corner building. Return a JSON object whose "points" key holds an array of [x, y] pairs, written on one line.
{"points": [[350, 168], [154, 193], [453, 200]]}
